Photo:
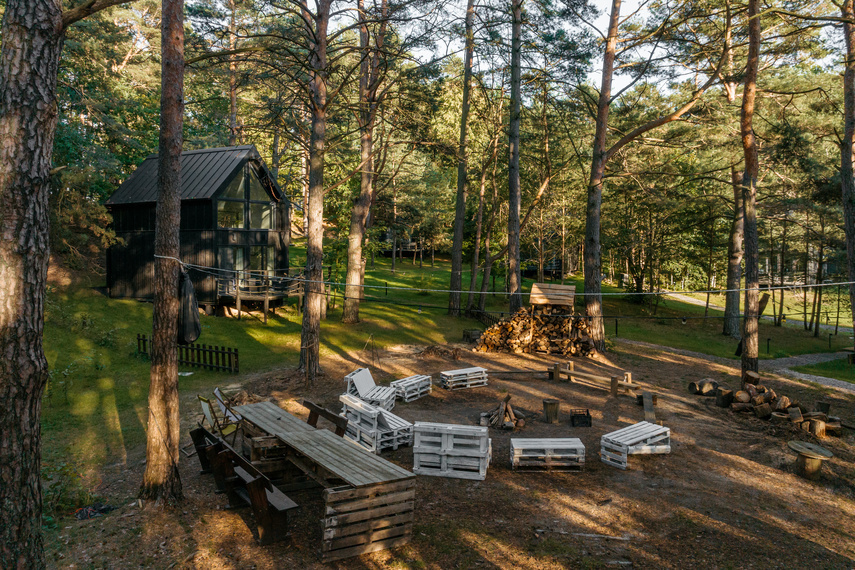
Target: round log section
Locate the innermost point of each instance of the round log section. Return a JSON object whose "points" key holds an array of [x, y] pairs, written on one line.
{"points": [[550, 411], [810, 458], [723, 398]]}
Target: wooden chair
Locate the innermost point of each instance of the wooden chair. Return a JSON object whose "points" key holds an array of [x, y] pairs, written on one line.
{"points": [[316, 412], [224, 428], [225, 409], [361, 384]]}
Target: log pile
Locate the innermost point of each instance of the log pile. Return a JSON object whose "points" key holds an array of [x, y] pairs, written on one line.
{"points": [[503, 416], [539, 330], [765, 404]]}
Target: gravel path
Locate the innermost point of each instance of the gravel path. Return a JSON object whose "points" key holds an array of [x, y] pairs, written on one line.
{"points": [[778, 365]]}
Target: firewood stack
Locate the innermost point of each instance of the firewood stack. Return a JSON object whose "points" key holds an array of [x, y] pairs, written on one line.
{"points": [[767, 405], [503, 416], [539, 330]]}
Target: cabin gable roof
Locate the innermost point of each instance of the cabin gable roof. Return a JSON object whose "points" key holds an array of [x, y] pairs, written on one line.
{"points": [[205, 174]]}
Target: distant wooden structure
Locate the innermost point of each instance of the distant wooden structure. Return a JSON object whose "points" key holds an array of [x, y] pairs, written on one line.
{"points": [[234, 218], [552, 294]]}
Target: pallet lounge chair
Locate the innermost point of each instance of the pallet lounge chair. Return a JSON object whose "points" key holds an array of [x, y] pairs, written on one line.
{"points": [[361, 384], [566, 453], [373, 427], [449, 450], [224, 428], [225, 409], [412, 387], [638, 439]]}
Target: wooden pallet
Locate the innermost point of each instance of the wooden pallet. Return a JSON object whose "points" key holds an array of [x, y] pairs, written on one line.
{"points": [[448, 450], [566, 454], [412, 387], [463, 378], [361, 384], [638, 439], [373, 427], [367, 519]]}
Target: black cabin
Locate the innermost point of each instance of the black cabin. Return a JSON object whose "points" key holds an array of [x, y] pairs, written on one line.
{"points": [[234, 217]]}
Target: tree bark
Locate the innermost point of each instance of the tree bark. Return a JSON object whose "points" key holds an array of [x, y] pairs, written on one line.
{"points": [[750, 345], [734, 261], [593, 296], [456, 283], [161, 481], [847, 179], [514, 192], [233, 128], [314, 289], [29, 61], [369, 102]]}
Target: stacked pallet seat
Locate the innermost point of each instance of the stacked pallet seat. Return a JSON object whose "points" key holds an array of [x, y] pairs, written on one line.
{"points": [[637, 439], [373, 427], [412, 387], [567, 453], [361, 384], [464, 378], [448, 450]]}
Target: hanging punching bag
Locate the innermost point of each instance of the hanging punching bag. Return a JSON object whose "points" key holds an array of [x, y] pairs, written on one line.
{"points": [[189, 327]]}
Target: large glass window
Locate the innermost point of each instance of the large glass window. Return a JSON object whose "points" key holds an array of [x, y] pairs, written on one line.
{"points": [[260, 216], [236, 189], [230, 214], [257, 193]]}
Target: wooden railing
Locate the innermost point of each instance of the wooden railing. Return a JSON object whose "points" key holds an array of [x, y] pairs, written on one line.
{"points": [[487, 319], [200, 355]]}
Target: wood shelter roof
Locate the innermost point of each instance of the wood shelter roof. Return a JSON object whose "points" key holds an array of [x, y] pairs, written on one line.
{"points": [[204, 173]]}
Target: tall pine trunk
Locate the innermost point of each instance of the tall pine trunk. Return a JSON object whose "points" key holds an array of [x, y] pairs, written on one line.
{"points": [[593, 262], [734, 261], [29, 61], [233, 128], [456, 283], [847, 179], [161, 481], [310, 336], [750, 339], [514, 192]]}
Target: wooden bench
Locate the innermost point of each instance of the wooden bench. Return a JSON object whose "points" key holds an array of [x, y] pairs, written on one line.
{"points": [[245, 485], [316, 412], [637, 439], [552, 294]]}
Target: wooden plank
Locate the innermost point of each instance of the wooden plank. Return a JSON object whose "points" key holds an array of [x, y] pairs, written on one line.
{"points": [[552, 294], [346, 493], [367, 537], [371, 502], [366, 548], [356, 528], [347, 518], [649, 410]]}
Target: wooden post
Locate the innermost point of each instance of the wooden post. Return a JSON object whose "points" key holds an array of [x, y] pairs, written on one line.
{"points": [[556, 371], [570, 368], [614, 386], [237, 296], [237, 367], [266, 298]]}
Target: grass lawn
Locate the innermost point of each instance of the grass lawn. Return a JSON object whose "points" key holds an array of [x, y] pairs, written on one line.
{"points": [[837, 369]]}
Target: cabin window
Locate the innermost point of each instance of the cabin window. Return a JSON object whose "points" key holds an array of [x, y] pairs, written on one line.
{"points": [[260, 216], [235, 191], [230, 214], [257, 193]]}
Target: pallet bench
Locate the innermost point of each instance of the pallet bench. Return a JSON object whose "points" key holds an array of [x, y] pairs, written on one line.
{"points": [[373, 427], [412, 387], [448, 450], [361, 384], [246, 486], [463, 378], [566, 454], [638, 439]]}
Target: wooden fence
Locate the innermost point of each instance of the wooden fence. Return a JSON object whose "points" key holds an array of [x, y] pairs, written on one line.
{"points": [[200, 355], [487, 319]]}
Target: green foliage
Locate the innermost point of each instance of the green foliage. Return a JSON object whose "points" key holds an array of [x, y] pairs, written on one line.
{"points": [[64, 489]]}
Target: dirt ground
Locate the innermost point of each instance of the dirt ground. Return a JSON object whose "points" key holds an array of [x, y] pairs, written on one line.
{"points": [[725, 497]]}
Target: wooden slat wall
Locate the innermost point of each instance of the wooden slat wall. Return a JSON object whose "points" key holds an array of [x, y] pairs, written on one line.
{"points": [[552, 294]]}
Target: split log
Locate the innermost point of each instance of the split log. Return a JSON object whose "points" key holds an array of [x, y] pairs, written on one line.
{"points": [[763, 411], [834, 428], [780, 418], [723, 398], [742, 397], [703, 387], [769, 396], [782, 404], [751, 389], [750, 377], [741, 407], [758, 399], [795, 415]]}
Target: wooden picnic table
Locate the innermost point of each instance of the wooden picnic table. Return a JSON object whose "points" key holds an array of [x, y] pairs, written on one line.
{"points": [[372, 511]]}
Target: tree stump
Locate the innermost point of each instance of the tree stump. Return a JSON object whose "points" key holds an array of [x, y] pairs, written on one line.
{"points": [[763, 411], [550, 411], [817, 428], [810, 458]]}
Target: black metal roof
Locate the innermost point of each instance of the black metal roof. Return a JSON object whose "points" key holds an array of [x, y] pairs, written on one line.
{"points": [[204, 173]]}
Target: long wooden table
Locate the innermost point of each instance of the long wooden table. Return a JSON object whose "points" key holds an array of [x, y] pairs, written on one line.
{"points": [[372, 511]]}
